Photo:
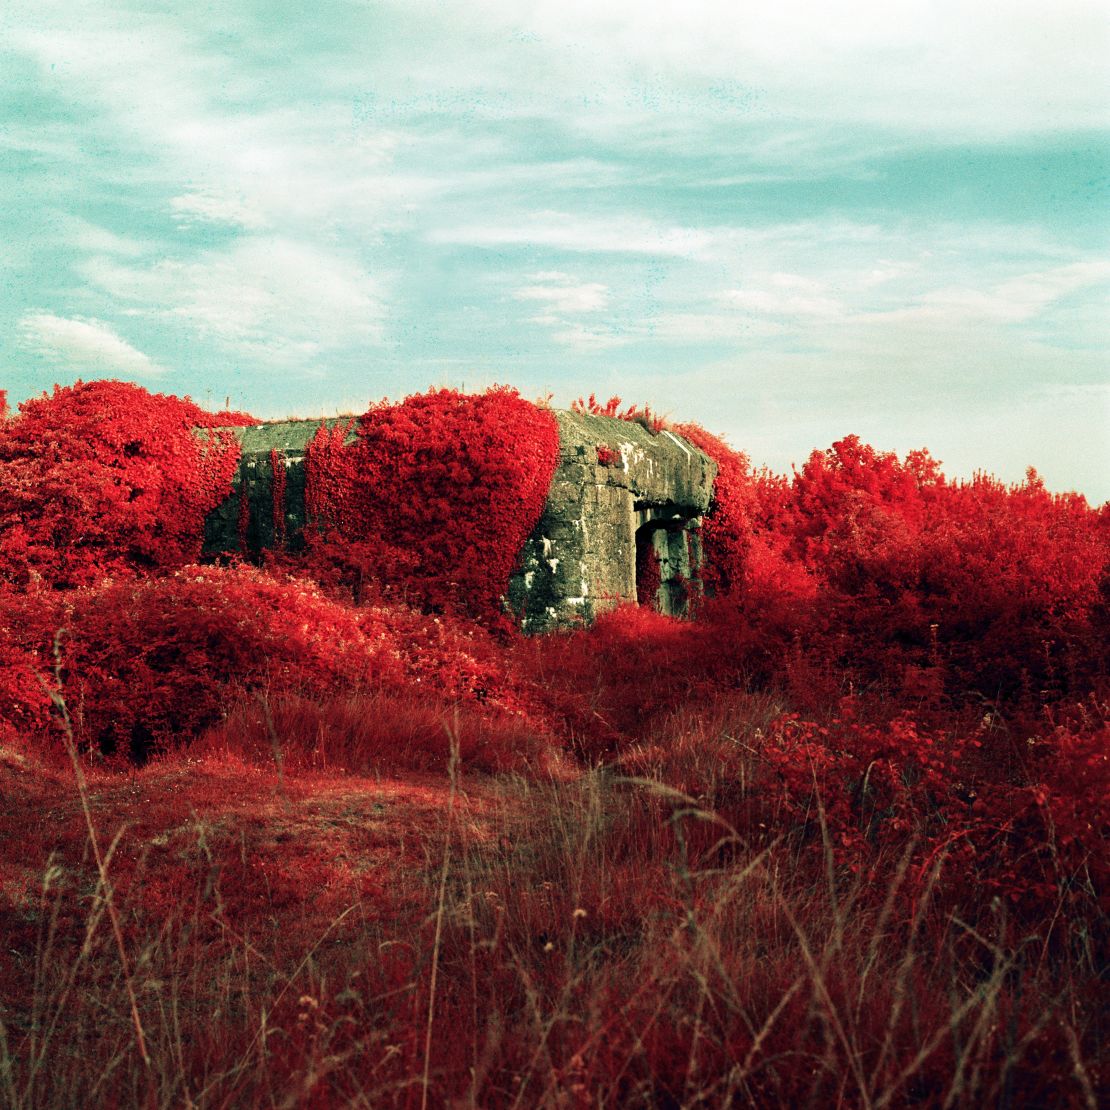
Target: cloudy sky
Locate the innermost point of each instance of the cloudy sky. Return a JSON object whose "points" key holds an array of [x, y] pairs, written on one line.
{"points": [[788, 220]]}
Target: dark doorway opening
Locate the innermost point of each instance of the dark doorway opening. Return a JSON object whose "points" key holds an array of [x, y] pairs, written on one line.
{"points": [[663, 566]]}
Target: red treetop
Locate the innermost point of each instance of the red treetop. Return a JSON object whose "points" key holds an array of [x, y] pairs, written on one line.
{"points": [[102, 478]]}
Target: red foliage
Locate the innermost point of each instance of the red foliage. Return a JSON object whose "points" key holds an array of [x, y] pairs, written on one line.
{"points": [[607, 683], [881, 570], [1032, 833], [329, 476], [863, 572], [360, 733], [633, 413], [243, 523], [742, 549], [437, 495], [105, 478], [147, 666], [608, 456], [231, 418], [25, 707], [277, 488], [1000, 586]]}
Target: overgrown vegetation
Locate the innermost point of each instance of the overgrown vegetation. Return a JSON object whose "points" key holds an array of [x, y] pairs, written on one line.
{"points": [[840, 840]]}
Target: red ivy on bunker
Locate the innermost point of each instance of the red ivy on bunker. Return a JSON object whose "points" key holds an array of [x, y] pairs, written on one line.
{"points": [[436, 495]]}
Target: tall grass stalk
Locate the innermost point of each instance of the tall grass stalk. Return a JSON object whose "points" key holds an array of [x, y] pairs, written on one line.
{"points": [[104, 890]]}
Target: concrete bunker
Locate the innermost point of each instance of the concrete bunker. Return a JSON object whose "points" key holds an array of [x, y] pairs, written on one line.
{"points": [[620, 523]]}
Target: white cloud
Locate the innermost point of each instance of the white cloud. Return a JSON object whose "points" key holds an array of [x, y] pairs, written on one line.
{"points": [[94, 239], [264, 294], [921, 64], [211, 208], [594, 235], [785, 295], [561, 298], [85, 346], [562, 294], [710, 327], [204, 123], [1013, 301], [579, 337]]}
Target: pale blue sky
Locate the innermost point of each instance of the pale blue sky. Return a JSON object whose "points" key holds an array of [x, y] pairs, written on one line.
{"points": [[790, 221]]}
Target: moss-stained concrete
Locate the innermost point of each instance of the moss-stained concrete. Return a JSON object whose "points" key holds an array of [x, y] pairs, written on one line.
{"points": [[581, 557]]}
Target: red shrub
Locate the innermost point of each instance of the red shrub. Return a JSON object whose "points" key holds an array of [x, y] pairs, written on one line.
{"points": [[633, 413], [148, 665], [24, 698], [743, 548], [1001, 586], [151, 665], [438, 494], [758, 602], [105, 478], [452, 659], [869, 568], [608, 683]]}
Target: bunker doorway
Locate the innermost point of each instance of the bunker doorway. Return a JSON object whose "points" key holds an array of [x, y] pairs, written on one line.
{"points": [[663, 567]]}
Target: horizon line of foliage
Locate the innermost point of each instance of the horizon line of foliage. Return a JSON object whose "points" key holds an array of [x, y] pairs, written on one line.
{"points": [[867, 565]]}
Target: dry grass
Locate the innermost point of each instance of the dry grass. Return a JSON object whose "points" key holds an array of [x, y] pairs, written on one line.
{"points": [[610, 939]]}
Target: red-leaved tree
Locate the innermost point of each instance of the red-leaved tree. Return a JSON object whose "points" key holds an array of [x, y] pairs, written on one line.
{"points": [[104, 478]]}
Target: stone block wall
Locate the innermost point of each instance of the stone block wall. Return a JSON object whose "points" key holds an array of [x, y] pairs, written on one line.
{"points": [[581, 558]]}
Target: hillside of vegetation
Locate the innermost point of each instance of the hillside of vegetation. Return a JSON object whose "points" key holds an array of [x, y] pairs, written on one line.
{"points": [[328, 831]]}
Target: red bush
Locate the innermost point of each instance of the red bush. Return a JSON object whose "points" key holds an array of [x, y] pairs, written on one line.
{"points": [[998, 586], [634, 414], [743, 547], [1032, 833], [605, 685], [437, 496], [104, 478], [868, 568], [25, 708], [149, 665]]}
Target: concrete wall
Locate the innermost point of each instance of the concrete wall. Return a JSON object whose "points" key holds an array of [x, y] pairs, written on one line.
{"points": [[581, 557]]}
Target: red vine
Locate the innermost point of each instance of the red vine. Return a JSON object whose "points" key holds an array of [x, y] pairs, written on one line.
{"points": [[277, 478], [437, 494]]}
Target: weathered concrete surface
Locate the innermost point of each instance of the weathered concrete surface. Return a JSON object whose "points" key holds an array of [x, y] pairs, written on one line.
{"points": [[581, 558]]}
